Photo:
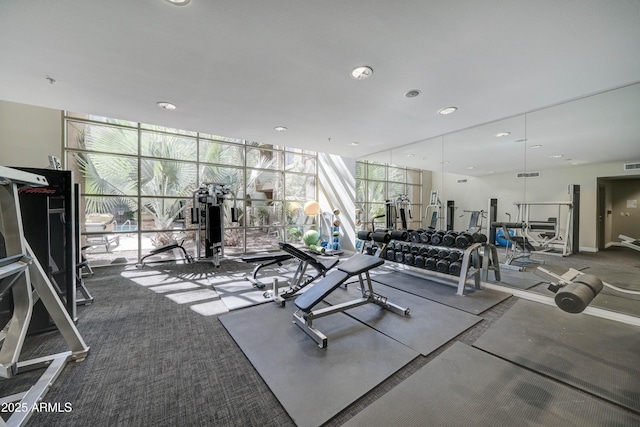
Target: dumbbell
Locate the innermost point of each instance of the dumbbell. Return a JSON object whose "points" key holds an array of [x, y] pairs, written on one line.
{"points": [[419, 261], [408, 259], [449, 239], [431, 263], [464, 240], [406, 248], [425, 237], [454, 256], [436, 238], [414, 235], [399, 256], [479, 238], [443, 253], [414, 249], [390, 255], [442, 266], [433, 252], [455, 268], [423, 250]]}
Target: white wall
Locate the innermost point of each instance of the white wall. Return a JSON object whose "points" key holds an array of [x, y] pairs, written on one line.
{"points": [[28, 135], [552, 185]]}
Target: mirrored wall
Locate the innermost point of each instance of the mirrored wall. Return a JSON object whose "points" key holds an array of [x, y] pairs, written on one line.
{"points": [[533, 164]]}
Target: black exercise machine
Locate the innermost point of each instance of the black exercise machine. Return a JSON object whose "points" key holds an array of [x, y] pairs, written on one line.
{"points": [[300, 278], [358, 265]]}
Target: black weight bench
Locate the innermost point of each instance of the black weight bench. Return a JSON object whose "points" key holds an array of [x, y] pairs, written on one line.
{"points": [[300, 278], [166, 248], [358, 265]]}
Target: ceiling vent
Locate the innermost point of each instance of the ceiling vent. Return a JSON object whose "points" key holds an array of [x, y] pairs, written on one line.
{"points": [[632, 166], [528, 174], [462, 181]]}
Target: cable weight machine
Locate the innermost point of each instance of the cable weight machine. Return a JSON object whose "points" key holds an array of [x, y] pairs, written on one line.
{"points": [[208, 214]]}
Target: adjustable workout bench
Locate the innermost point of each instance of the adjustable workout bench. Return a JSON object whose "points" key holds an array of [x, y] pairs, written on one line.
{"points": [[166, 248], [359, 265], [300, 278], [630, 242]]}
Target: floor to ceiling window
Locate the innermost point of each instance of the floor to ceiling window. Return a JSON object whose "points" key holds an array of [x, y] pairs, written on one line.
{"points": [[137, 184], [380, 185]]}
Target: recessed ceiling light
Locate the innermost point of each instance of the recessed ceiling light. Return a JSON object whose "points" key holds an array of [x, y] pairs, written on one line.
{"points": [[447, 110], [501, 134], [556, 156], [280, 129], [491, 172], [410, 155], [575, 163], [179, 2], [354, 143], [446, 162], [470, 167], [412, 93], [166, 105], [520, 140], [361, 73], [535, 146]]}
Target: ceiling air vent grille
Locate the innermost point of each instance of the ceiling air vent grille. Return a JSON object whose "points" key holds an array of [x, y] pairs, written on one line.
{"points": [[632, 166], [528, 174], [462, 181]]}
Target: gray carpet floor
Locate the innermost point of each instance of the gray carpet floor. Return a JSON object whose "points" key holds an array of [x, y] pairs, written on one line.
{"points": [[160, 357]]}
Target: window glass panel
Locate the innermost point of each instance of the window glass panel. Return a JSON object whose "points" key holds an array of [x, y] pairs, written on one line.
{"points": [[360, 170], [220, 152], [264, 185], [300, 163], [360, 190], [93, 118], [233, 240], [376, 171], [167, 130], [108, 139], [300, 151], [105, 174], [414, 194], [395, 174], [300, 187], [167, 146], [167, 178], [221, 138], [264, 159], [376, 191], [168, 214], [233, 177], [396, 189]]}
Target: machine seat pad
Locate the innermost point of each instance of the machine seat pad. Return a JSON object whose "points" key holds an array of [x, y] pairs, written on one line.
{"points": [[164, 248], [323, 266], [275, 257], [359, 263], [320, 290]]}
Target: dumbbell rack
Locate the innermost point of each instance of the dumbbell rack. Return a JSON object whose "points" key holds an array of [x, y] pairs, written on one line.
{"points": [[470, 265]]}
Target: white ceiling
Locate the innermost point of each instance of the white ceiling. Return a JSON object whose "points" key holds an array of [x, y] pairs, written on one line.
{"points": [[239, 68]]}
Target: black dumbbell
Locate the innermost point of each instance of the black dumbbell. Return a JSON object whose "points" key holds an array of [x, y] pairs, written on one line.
{"points": [[390, 255], [423, 250], [443, 253], [399, 256], [414, 249], [479, 238], [425, 237], [454, 256], [433, 252], [408, 259], [418, 261], [455, 268], [442, 266], [414, 236], [464, 240], [431, 262], [436, 238], [449, 239]]}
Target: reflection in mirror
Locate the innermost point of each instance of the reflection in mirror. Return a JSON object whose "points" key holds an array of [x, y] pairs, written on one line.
{"points": [[423, 155]]}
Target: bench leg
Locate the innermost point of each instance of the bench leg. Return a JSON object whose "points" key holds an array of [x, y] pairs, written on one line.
{"points": [[307, 326]]}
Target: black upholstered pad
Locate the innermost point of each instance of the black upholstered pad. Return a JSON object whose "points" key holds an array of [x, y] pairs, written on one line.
{"points": [[321, 265], [280, 256], [324, 287], [360, 263]]}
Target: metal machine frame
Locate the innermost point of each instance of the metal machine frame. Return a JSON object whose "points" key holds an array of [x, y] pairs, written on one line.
{"points": [[22, 274]]}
